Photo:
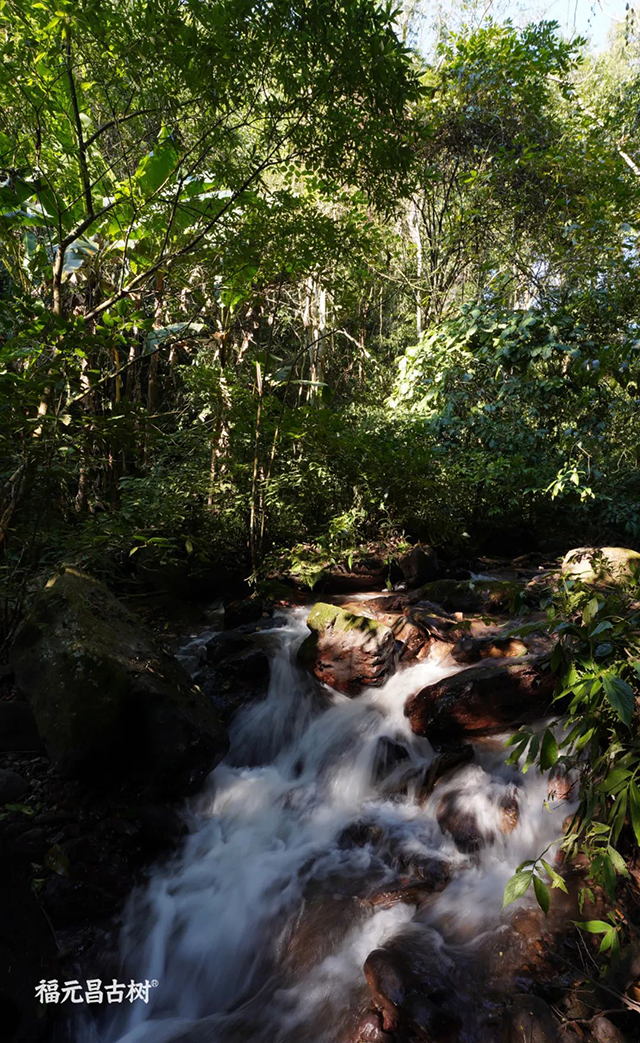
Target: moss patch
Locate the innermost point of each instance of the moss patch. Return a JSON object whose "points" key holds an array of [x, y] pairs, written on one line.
{"points": [[324, 616]]}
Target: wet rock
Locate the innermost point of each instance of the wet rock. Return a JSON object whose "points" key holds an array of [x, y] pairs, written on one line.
{"points": [[509, 813], [561, 784], [347, 651], [30, 846], [428, 1022], [243, 613], [370, 1030], [604, 1031], [18, 732], [66, 901], [415, 641], [367, 573], [411, 894], [481, 700], [238, 674], [419, 565], [318, 930], [160, 827], [358, 834], [387, 977], [460, 823], [473, 649], [530, 1018], [389, 754], [13, 787], [482, 595], [527, 923], [393, 603], [434, 872], [440, 768], [108, 701], [601, 564]]}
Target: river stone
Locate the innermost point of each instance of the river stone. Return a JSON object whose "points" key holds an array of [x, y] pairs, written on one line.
{"points": [[419, 565], [18, 732], [607, 564], [530, 1018], [347, 651], [474, 595], [387, 977], [481, 700], [369, 1030], [472, 649], [109, 703], [12, 786]]}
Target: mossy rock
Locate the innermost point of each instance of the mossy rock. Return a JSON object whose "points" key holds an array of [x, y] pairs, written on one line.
{"points": [[107, 700], [323, 616], [474, 595], [347, 651]]}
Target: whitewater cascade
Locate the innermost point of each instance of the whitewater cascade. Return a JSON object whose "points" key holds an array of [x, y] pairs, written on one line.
{"points": [[256, 931]]}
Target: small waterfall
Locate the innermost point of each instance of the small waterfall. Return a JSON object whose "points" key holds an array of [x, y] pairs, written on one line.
{"points": [[256, 930]]}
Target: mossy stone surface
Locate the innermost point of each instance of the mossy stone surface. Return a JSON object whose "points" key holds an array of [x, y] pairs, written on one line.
{"points": [[106, 698]]}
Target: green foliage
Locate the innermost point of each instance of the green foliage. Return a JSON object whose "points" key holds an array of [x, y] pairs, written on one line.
{"points": [[597, 662], [522, 409]]}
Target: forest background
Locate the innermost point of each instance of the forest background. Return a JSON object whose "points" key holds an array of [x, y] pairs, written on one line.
{"points": [[279, 282]]}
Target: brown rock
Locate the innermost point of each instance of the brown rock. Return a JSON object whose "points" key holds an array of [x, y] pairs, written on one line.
{"points": [[472, 650], [461, 824], [411, 894], [481, 700], [530, 1018], [509, 813], [369, 1030], [604, 1031], [386, 975], [347, 651], [419, 565]]}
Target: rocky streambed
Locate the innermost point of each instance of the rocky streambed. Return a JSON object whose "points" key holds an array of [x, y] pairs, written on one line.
{"points": [[340, 875]]}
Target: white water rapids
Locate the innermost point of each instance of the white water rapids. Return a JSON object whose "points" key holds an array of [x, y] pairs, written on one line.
{"points": [[255, 931]]}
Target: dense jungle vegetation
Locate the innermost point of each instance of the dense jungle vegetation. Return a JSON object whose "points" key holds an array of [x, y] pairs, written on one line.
{"points": [[284, 286], [275, 284]]}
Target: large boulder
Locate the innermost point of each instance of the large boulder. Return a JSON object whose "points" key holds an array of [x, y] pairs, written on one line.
{"points": [[604, 564], [108, 702], [347, 651], [481, 700]]}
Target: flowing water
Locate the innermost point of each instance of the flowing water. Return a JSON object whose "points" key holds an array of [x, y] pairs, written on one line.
{"points": [[257, 930]]}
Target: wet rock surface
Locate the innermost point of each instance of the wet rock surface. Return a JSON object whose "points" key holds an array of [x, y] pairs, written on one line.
{"points": [[107, 700], [481, 700], [347, 651], [91, 845]]}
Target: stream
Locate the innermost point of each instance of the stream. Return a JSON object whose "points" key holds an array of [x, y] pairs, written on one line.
{"points": [[258, 929]]}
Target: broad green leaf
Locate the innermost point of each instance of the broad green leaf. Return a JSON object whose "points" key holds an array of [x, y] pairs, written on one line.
{"points": [[620, 696], [517, 886], [634, 807], [593, 926], [556, 879], [542, 893], [548, 751], [614, 779], [618, 861]]}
